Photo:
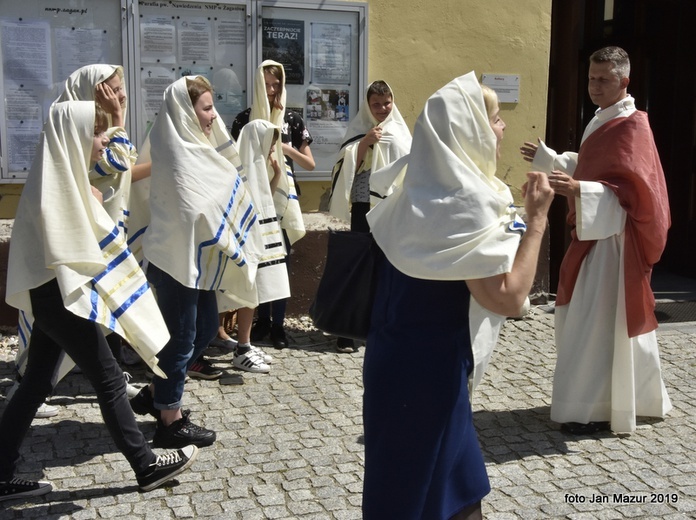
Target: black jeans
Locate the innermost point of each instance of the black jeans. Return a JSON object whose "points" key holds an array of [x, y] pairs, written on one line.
{"points": [[56, 329]]}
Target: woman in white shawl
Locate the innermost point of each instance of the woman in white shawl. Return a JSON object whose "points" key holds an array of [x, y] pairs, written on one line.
{"points": [[112, 175], [262, 173], [117, 169], [269, 104], [376, 137], [448, 235], [69, 266], [203, 240]]}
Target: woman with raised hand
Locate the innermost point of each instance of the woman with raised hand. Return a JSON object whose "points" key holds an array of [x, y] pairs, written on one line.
{"points": [[71, 269], [450, 238]]}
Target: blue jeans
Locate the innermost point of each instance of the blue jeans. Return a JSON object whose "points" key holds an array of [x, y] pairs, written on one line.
{"points": [[56, 330], [191, 316]]}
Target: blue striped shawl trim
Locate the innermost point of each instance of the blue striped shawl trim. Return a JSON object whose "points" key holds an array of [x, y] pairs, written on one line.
{"points": [[247, 221]]}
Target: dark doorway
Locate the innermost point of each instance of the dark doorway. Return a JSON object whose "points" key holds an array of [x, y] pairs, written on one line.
{"points": [[656, 34]]}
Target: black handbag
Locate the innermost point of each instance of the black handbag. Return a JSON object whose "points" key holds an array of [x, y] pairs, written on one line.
{"points": [[343, 303]]}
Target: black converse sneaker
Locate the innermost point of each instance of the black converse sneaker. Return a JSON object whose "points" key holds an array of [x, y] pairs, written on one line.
{"points": [[18, 488], [166, 467], [182, 433]]}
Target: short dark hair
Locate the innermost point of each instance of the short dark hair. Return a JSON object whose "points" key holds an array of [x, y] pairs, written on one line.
{"points": [[617, 57], [379, 88]]}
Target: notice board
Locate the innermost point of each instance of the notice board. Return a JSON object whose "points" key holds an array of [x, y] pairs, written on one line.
{"points": [[321, 43]]}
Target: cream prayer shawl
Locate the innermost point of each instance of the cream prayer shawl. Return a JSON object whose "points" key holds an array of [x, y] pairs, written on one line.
{"points": [[394, 144], [285, 197], [254, 143], [125, 202], [452, 219], [61, 231], [204, 228], [81, 85]]}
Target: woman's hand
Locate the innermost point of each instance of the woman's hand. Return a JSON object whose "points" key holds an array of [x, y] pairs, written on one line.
{"points": [[538, 195], [109, 101], [277, 171]]}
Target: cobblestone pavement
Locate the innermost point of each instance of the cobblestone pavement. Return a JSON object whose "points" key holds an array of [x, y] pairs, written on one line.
{"points": [[290, 442]]}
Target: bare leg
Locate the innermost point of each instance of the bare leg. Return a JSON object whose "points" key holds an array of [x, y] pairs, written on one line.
{"points": [[473, 512], [245, 318]]}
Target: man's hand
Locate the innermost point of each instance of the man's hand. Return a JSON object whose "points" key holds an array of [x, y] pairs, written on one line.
{"points": [[372, 136], [564, 184], [528, 151]]}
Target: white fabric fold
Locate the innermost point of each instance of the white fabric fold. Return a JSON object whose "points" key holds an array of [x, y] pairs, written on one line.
{"points": [[203, 229], [452, 219], [61, 231], [285, 197], [255, 142]]}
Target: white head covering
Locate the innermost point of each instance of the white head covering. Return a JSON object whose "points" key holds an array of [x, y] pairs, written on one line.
{"points": [[285, 197], [81, 85], [450, 219], [126, 203], [202, 217], [61, 231], [394, 143], [255, 142]]}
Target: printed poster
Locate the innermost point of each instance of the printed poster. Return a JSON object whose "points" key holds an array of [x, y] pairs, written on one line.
{"points": [[283, 41]]}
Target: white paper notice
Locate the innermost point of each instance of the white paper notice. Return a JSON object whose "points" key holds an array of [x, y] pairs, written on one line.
{"points": [[24, 118], [77, 47], [194, 41], [157, 39], [26, 48], [330, 53], [153, 82]]}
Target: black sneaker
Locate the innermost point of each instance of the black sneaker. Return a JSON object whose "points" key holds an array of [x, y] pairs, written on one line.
{"points": [[166, 467], [182, 433], [18, 488], [203, 369], [260, 330], [144, 404], [278, 337]]}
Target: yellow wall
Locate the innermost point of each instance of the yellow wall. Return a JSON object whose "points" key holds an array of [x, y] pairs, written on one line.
{"points": [[417, 46]]}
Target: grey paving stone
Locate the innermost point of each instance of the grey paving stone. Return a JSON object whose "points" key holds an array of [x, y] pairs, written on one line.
{"points": [[290, 442]]}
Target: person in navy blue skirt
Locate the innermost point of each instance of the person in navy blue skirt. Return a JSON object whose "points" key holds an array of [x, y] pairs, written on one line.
{"points": [[449, 234]]}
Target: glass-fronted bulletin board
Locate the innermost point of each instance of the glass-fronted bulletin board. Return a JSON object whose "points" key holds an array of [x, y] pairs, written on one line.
{"points": [[42, 43], [191, 38], [321, 43], [324, 54]]}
